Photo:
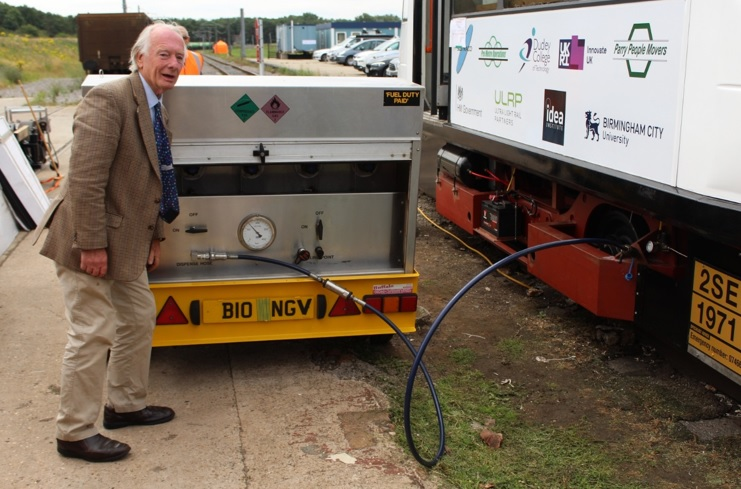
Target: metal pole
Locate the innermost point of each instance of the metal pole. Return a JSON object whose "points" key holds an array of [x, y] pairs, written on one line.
{"points": [[241, 36], [262, 58]]}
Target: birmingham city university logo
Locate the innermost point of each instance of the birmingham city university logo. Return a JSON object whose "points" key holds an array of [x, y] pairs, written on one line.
{"points": [[554, 116], [592, 125], [640, 50]]}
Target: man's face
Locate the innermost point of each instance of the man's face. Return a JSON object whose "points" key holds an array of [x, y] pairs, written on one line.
{"points": [[161, 65]]}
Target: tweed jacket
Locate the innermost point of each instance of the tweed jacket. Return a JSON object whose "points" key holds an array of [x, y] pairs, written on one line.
{"points": [[113, 190]]}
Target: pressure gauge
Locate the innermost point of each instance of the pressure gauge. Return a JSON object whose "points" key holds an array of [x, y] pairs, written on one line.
{"points": [[256, 232]]}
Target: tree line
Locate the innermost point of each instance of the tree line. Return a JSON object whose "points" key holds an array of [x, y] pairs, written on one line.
{"points": [[28, 21]]}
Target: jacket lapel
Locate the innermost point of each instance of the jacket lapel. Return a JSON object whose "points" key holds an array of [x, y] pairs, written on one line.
{"points": [[145, 121]]}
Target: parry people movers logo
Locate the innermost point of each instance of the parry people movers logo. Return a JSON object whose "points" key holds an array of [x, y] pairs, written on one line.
{"points": [[463, 50], [640, 50], [571, 53]]}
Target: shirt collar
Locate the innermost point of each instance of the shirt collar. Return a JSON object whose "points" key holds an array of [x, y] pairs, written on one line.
{"points": [[152, 99]]}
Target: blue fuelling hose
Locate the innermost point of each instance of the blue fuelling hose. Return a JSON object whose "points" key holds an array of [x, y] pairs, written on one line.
{"points": [[418, 353]]}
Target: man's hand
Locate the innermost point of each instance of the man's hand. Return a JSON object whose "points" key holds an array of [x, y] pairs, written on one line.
{"points": [[94, 262], [154, 256]]}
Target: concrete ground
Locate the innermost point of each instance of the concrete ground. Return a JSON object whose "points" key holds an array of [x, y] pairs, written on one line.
{"points": [[261, 415], [316, 68]]}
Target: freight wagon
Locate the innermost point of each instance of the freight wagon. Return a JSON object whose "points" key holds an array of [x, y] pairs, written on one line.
{"points": [[105, 40]]}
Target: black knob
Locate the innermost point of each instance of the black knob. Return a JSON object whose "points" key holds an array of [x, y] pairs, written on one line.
{"points": [[302, 255], [319, 252]]}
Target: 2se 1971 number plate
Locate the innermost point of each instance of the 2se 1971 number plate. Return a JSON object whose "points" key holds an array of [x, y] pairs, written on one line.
{"points": [[262, 309], [715, 318]]}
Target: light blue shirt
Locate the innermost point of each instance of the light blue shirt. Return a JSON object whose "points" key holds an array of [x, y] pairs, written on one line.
{"points": [[152, 99]]}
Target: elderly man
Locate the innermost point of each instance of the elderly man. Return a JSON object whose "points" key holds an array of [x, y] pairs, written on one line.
{"points": [[104, 236]]}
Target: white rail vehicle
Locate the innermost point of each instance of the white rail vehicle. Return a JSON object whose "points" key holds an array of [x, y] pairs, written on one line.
{"points": [[615, 119]]}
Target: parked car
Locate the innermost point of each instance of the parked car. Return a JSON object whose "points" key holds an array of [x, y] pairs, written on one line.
{"points": [[325, 54], [345, 56], [361, 59], [393, 68], [379, 63]]}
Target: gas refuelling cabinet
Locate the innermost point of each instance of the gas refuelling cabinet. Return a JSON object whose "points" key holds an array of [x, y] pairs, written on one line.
{"points": [[317, 171]]}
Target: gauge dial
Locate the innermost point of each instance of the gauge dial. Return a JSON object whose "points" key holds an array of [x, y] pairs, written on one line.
{"points": [[256, 232]]}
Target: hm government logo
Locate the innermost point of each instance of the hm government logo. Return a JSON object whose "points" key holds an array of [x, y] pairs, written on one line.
{"points": [[461, 107], [640, 50]]}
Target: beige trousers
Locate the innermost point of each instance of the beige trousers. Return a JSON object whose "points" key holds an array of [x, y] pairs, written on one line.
{"points": [[103, 315]]}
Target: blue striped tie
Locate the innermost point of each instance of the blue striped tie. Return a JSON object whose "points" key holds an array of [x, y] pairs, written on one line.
{"points": [[169, 207]]}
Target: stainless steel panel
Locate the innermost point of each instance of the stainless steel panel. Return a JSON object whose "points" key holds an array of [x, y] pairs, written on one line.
{"points": [[343, 109], [360, 233]]}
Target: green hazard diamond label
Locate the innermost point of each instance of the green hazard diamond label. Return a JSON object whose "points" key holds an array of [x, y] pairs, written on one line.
{"points": [[244, 108]]}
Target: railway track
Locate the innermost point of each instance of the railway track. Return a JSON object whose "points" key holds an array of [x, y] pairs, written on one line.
{"points": [[217, 66]]}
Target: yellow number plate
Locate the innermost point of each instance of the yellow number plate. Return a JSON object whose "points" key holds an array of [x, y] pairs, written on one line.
{"points": [[715, 318], [262, 309]]}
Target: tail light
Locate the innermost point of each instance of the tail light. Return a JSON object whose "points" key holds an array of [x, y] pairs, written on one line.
{"points": [[391, 303]]}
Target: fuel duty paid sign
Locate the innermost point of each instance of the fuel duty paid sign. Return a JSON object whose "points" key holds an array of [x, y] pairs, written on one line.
{"points": [[403, 98]]}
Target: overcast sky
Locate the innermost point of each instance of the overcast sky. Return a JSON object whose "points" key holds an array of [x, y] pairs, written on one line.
{"points": [[200, 9]]}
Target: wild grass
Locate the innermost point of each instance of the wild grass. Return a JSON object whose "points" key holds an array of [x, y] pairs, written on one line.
{"points": [[532, 455], [25, 59]]}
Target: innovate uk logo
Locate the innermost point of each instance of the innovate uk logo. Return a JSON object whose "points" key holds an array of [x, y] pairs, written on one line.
{"points": [[571, 53]]}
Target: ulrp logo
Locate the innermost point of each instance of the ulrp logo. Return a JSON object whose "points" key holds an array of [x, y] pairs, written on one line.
{"points": [[571, 53], [554, 116]]}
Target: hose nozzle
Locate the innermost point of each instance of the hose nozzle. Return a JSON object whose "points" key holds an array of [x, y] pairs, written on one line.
{"points": [[208, 255]]}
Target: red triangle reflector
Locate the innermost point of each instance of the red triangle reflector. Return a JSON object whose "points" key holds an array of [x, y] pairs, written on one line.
{"points": [[171, 314], [344, 307]]}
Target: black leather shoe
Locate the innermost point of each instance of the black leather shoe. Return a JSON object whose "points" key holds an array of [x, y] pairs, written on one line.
{"points": [[96, 448], [148, 416]]}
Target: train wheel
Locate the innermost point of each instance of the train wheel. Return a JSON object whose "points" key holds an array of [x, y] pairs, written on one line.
{"points": [[614, 225]]}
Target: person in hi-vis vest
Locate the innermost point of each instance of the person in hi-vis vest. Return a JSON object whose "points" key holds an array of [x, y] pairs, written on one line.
{"points": [[193, 60]]}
